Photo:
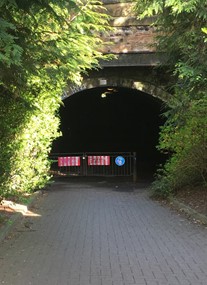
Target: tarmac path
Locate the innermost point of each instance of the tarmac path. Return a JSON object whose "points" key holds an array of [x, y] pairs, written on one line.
{"points": [[99, 234]]}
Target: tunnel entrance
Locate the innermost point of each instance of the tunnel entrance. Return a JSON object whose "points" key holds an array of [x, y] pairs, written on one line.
{"points": [[112, 119]]}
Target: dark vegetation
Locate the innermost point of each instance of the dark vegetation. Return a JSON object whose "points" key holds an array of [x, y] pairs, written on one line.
{"points": [[182, 35]]}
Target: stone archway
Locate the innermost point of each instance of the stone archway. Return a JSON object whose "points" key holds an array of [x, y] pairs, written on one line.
{"points": [[135, 128], [143, 86]]}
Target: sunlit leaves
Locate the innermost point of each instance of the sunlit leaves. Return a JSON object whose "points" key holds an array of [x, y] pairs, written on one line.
{"points": [[44, 45]]}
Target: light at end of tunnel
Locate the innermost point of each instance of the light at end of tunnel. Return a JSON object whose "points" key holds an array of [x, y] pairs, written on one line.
{"points": [[103, 95]]}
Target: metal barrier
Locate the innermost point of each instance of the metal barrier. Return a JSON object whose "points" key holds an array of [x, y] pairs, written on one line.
{"points": [[94, 164]]}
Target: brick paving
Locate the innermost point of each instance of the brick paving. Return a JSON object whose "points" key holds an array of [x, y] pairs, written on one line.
{"points": [[94, 234]]}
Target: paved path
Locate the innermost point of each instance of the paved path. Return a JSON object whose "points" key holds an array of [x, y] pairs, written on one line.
{"points": [[91, 234]]}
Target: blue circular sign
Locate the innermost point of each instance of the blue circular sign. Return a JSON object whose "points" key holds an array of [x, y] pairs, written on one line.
{"points": [[120, 160]]}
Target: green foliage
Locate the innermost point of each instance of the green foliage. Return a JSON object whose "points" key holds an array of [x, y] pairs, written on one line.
{"points": [[26, 135], [181, 34], [10, 53], [43, 46], [57, 38], [185, 136]]}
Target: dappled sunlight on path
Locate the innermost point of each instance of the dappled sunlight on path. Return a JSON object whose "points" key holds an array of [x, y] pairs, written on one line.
{"points": [[12, 208]]}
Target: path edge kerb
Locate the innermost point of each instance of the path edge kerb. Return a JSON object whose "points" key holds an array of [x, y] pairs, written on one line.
{"points": [[188, 210], [5, 229]]}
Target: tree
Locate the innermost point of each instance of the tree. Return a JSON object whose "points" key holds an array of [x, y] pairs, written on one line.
{"points": [[44, 45], [181, 34]]}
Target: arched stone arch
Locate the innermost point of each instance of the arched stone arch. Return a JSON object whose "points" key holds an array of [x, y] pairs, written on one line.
{"points": [[143, 86]]}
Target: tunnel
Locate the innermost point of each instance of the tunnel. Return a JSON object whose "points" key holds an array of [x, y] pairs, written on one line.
{"points": [[113, 119]]}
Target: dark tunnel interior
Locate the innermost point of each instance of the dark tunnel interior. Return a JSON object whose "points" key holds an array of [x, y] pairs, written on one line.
{"points": [[112, 119]]}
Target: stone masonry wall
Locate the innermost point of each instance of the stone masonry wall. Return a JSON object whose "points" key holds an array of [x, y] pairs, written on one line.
{"points": [[129, 35]]}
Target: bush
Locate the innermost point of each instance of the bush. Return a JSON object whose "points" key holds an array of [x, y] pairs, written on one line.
{"points": [[27, 135], [185, 135]]}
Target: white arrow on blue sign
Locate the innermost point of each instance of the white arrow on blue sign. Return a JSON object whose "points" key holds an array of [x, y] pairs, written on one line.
{"points": [[120, 160]]}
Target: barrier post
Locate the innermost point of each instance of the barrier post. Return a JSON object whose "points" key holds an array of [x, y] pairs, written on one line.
{"points": [[134, 167]]}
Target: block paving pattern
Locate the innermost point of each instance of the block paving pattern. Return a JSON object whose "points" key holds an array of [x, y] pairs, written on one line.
{"points": [[91, 234]]}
